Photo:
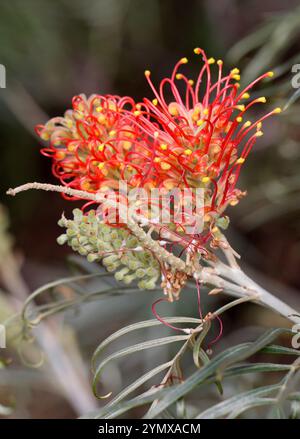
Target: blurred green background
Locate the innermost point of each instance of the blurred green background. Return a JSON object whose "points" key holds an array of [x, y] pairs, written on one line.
{"points": [[55, 50]]}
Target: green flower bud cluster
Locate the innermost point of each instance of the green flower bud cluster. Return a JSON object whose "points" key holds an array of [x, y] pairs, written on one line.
{"points": [[117, 249]]}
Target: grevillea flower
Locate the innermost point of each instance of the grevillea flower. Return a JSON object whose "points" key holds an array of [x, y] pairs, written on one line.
{"points": [[199, 133], [193, 134], [90, 145]]}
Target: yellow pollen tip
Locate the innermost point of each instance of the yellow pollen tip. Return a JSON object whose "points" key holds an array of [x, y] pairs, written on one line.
{"points": [[247, 124], [197, 50], [137, 113], [245, 96], [165, 166], [188, 152], [235, 71], [156, 160], [262, 99], [101, 165], [101, 147], [112, 133], [236, 77], [155, 101], [163, 146], [199, 122], [240, 107], [99, 109], [259, 134], [237, 85], [179, 76], [191, 82], [259, 125], [215, 229], [239, 119], [71, 147], [126, 145], [60, 155], [184, 60], [45, 136], [205, 111], [220, 62], [277, 110], [101, 119], [138, 106], [270, 74], [205, 179], [156, 134], [240, 161], [173, 111], [211, 60], [147, 73]]}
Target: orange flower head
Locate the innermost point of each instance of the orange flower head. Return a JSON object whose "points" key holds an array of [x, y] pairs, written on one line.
{"points": [[198, 130], [91, 144]]}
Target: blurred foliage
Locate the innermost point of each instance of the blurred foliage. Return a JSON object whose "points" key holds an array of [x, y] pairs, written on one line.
{"points": [[172, 402], [270, 214], [54, 50]]}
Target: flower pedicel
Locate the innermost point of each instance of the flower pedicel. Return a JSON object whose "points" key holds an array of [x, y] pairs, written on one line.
{"points": [[198, 137]]}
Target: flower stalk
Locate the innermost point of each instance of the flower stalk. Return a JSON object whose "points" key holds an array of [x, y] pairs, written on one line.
{"points": [[227, 278]]}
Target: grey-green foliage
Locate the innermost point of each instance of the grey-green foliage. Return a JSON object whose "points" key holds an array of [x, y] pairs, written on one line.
{"points": [[281, 394], [116, 248]]}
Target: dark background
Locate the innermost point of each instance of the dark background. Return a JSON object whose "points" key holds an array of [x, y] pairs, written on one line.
{"points": [[53, 50]]}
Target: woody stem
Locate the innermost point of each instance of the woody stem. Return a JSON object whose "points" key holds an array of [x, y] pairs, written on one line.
{"points": [[230, 278], [233, 281]]}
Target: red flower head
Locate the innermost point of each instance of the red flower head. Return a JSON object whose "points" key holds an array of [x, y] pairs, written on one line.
{"points": [[199, 135], [192, 135], [89, 146], [196, 138]]}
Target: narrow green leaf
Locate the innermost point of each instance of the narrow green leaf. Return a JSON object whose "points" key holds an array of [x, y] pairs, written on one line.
{"points": [[218, 364], [255, 368], [255, 402], [240, 402], [295, 396], [279, 350], [123, 407], [198, 342], [137, 326], [133, 349], [56, 283], [196, 378], [180, 409], [139, 382]]}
